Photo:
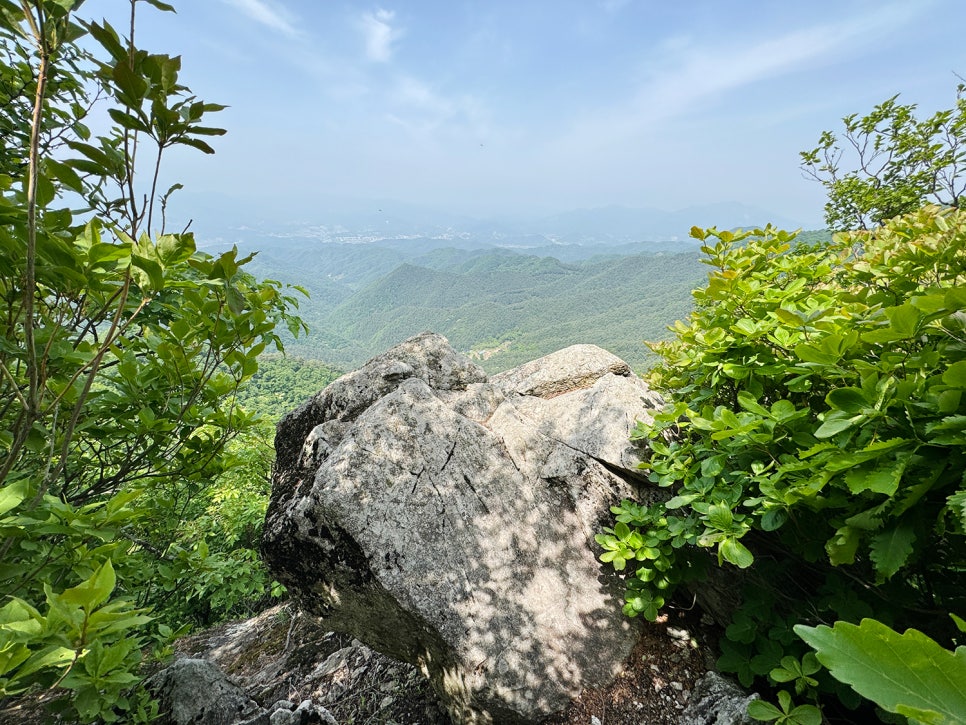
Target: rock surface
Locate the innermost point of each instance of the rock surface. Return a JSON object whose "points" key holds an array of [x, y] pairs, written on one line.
{"points": [[284, 657], [717, 700], [197, 691], [447, 520]]}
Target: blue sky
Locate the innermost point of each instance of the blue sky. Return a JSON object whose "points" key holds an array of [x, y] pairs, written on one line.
{"points": [[531, 108]]}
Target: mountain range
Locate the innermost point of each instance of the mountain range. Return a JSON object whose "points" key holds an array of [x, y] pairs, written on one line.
{"points": [[503, 294]]}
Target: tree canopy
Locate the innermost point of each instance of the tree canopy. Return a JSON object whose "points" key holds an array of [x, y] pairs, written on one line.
{"points": [[890, 162], [122, 351]]}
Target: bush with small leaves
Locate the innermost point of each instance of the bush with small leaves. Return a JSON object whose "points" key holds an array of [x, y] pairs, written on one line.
{"points": [[817, 395]]}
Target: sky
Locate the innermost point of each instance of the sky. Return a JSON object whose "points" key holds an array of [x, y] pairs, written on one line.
{"points": [[527, 108]]}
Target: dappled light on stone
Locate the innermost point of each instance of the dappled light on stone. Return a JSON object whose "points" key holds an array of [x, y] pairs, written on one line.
{"points": [[447, 520]]}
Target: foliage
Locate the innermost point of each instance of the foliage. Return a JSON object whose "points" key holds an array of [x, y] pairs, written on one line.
{"points": [[814, 438], [889, 162], [282, 383], [122, 349], [785, 712], [212, 570], [908, 674]]}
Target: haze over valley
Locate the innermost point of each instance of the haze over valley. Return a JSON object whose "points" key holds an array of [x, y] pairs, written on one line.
{"points": [[502, 291]]}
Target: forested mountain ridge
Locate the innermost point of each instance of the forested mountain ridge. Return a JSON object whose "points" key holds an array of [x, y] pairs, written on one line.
{"points": [[502, 305]]}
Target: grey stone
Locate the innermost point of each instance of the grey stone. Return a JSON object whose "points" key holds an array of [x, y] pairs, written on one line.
{"points": [[716, 700], [448, 521], [195, 691], [575, 367], [280, 657]]}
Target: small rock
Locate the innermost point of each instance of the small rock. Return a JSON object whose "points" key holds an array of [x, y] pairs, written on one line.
{"points": [[283, 717], [716, 700]]}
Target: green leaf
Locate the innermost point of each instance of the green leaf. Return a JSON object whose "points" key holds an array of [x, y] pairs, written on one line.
{"points": [[720, 517], [676, 502], [955, 374], [94, 591], [848, 400], [130, 83], [107, 37], [65, 175], [902, 673], [161, 5], [735, 552], [175, 248], [198, 144], [147, 273], [642, 602], [773, 519], [13, 494], [842, 546], [890, 549], [836, 422], [51, 657], [904, 319], [880, 479], [764, 711]]}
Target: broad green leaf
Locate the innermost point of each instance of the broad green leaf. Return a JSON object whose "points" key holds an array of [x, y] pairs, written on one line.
{"points": [[13, 494], [773, 519], [848, 400], [904, 319], [737, 553], [128, 121], [175, 248], [94, 591], [107, 37], [842, 546], [147, 273], [53, 656], [131, 85], [899, 672], [880, 479], [955, 374], [720, 517], [836, 422], [161, 5], [890, 549], [65, 175], [764, 711], [680, 500], [955, 298]]}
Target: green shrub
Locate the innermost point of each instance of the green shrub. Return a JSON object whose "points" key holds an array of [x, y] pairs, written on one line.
{"points": [[819, 418], [122, 350]]}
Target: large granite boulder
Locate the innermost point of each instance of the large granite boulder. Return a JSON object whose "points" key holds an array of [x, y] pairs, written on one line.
{"points": [[447, 519]]}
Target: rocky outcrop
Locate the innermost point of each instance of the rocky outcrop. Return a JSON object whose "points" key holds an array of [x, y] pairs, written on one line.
{"points": [[447, 519], [287, 661]]}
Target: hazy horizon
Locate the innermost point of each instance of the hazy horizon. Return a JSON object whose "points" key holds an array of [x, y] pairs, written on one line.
{"points": [[530, 109]]}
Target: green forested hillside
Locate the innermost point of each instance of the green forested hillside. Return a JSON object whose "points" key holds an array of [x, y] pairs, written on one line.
{"points": [[282, 383], [506, 308]]}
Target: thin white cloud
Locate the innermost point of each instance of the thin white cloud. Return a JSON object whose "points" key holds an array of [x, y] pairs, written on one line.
{"points": [[699, 74], [685, 73], [269, 13], [379, 34], [425, 112]]}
